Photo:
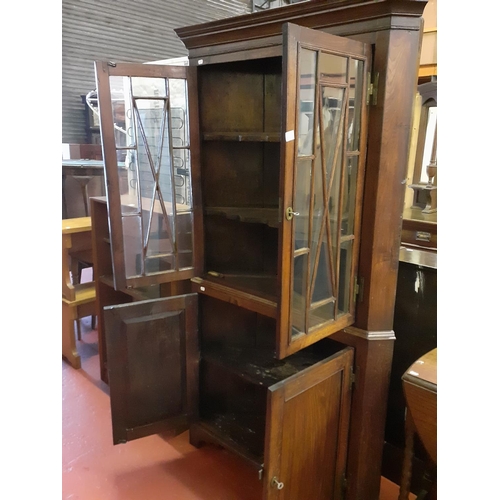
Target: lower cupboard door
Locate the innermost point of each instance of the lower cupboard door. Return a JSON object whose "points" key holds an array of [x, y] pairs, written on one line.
{"points": [[307, 432], [153, 359]]}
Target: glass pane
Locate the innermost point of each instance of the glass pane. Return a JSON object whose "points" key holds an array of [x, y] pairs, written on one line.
{"points": [[148, 87], [333, 117], [157, 238], [152, 145], [307, 75], [132, 230], [152, 132], [349, 197], [299, 294], [344, 301], [301, 203], [322, 288], [122, 114], [127, 173], [322, 314], [179, 111], [332, 126], [159, 264], [333, 66], [333, 205], [144, 185], [317, 201], [355, 103], [182, 179], [185, 240]]}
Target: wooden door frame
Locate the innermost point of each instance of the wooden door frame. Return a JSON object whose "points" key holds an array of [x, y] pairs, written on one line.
{"points": [[103, 72], [295, 36]]}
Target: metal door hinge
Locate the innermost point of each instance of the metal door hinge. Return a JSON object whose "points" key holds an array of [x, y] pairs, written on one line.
{"points": [[372, 89], [359, 289]]}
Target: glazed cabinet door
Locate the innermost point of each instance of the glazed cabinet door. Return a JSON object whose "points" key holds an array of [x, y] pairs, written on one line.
{"points": [[323, 155], [149, 123], [153, 359], [307, 431]]}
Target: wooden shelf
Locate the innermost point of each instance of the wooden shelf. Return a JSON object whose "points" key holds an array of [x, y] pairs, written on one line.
{"points": [[235, 432], [259, 366], [242, 136], [268, 216], [83, 292], [256, 293]]}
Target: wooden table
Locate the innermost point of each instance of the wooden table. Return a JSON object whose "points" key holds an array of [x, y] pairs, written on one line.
{"points": [[420, 389], [78, 300]]}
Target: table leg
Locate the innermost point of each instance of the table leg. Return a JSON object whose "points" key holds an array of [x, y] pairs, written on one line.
{"points": [[69, 350], [404, 490], [83, 181]]}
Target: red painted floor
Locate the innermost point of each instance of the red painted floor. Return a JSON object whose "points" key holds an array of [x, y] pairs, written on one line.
{"points": [[152, 468]]}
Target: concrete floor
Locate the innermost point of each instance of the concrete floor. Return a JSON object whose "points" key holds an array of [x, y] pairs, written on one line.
{"points": [[151, 468]]}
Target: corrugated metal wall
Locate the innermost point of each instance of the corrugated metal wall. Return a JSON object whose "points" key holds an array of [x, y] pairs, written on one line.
{"points": [[123, 31]]}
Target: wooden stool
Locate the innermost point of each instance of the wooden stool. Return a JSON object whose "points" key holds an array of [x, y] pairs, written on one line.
{"points": [[72, 310], [420, 390], [78, 299]]}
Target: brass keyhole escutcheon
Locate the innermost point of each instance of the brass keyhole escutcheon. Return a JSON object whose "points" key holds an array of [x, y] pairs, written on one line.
{"points": [[290, 213], [276, 484]]}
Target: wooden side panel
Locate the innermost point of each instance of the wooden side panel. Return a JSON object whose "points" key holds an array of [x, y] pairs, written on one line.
{"points": [[307, 432], [388, 140], [153, 359]]}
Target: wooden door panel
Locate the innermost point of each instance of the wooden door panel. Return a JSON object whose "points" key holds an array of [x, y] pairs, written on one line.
{"points": [[153, 359], [307, 432]]}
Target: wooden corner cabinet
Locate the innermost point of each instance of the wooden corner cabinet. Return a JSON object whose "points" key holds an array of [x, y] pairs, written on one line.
{"points": [[246, 273]]}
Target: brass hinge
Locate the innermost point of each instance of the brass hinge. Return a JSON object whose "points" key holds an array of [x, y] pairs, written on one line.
{"points": [[358, 289], [372, 89]]}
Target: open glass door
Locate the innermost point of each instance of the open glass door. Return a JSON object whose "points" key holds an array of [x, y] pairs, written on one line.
{"points": [[153, 359], [146, 113], [322, 184]]}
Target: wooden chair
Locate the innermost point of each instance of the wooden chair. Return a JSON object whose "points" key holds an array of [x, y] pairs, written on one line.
{"points": [[78, 299]]}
